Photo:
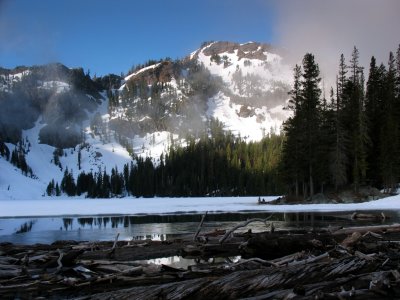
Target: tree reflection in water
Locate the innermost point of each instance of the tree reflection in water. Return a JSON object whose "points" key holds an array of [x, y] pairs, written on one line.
{"points": [[26, 227]]}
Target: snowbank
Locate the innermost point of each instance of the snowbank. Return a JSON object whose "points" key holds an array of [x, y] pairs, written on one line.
{"points": [[133, 206]]}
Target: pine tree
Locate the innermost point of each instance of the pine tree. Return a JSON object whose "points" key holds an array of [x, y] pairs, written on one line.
{"points": [[339, 154], [354, 121], [390, 129], [79, 158], [398, 73], [310, 116], [58, 192], [50, 188], [22, 163], [292, 127], [374, 113], [68, 185]]}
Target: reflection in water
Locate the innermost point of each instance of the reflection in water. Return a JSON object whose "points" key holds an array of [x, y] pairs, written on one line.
{"points": [[26, 227], [67, 223], [161, 227], [185, 263]]}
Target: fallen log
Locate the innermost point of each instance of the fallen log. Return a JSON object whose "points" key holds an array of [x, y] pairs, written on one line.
{"points": [[243, 224], [10, 273], [365, 229], [269, 246], [257, 260], [306, 266], [365, 216]]}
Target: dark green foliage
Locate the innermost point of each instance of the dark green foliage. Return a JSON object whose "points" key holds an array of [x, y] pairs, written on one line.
{"points": [[51, 188], [4, 151], [356, 137], [68, 183], [108, 82], [216, 58], [375, 113], [389, 140], [57, 153], [303, 155], [18, 159], [218, 164], [355, 122]]}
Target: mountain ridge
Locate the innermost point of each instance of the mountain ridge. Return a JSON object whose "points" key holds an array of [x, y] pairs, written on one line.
{"points": [[104, 121]]}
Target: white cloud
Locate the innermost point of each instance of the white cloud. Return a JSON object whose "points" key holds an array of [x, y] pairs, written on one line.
{"points": [[329, 28]]}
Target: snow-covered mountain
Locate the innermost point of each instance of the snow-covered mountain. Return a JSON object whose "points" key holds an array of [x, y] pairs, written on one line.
{"points": [[62, 118], [242, 85], [256, 84]]}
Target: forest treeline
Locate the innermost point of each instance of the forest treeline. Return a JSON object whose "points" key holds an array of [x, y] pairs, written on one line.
{"points": [[216, 164], [348, 138]]}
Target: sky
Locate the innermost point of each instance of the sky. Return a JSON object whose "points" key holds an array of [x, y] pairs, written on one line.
{"points": [[110, 36], [105, 36]]}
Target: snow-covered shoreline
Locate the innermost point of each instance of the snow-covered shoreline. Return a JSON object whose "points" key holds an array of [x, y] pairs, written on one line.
{"points": [[136, 206]]}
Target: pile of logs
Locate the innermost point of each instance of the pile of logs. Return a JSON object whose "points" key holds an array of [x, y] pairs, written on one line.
{"points": [[359, 263]]}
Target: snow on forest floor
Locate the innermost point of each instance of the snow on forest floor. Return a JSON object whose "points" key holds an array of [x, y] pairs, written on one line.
{"points": [[134, 206]]}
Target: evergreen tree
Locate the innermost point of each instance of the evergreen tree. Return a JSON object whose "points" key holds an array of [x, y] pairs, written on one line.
{"points": [[374, 113], [355, 122], [68, 183], [390, 130], [79, 158], [292, 151], [50, 188], [338, 153], [58, 192], [310, 115]]}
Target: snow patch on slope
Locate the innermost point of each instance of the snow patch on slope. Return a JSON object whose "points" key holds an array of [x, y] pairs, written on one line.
{"points": [[257, 76], [251, 128], [98, 154], [14, 185], [137, 73]]}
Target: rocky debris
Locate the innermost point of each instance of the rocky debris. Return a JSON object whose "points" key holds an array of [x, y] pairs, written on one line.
{"points": [[246, 112]]}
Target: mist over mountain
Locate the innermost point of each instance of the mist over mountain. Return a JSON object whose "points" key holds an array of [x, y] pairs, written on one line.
{"points": [[57, 116]]}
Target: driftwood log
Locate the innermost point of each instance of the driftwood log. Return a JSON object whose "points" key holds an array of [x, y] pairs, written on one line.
{"points": [[356, 263]]}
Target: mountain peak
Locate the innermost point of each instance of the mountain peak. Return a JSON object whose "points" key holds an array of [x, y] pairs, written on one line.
{"points": [[249, 50]]}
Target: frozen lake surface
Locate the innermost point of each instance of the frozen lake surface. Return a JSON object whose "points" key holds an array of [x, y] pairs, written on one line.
{"points": [[48, 220], [134, 206]]}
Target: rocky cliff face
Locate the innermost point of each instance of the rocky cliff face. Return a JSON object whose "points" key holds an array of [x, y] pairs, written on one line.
{"points": [[243, 51], [243, 85]]}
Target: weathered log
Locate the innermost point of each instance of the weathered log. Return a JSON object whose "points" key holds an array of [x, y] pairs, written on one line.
{"points": [[59, 260], [365, 216], [243, 224], [309, 273], [112, 251], [365, 229], [9, 273], [351, 240], [270, 246], [214, 233], [199, 227], [257, 260]]}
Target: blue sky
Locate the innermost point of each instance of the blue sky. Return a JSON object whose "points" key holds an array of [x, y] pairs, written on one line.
{"points": [[110, 36]]}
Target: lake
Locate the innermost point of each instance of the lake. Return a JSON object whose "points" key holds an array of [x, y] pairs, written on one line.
{"points": [[163, 226]]}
